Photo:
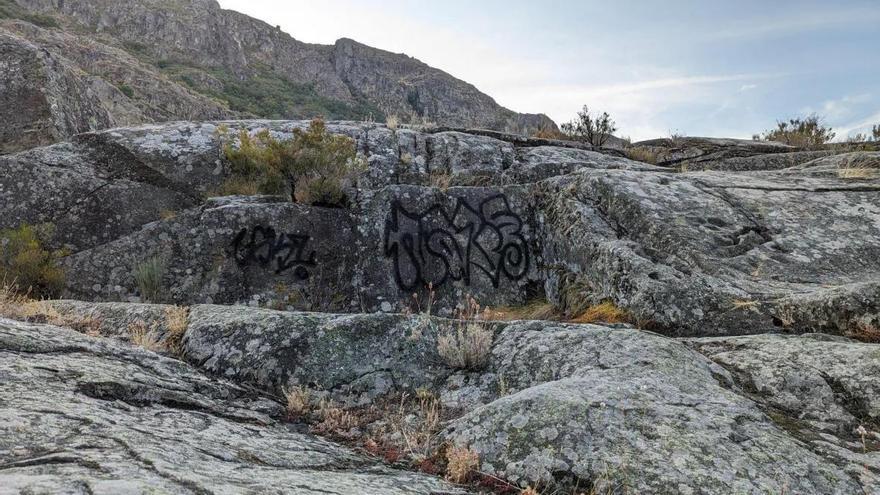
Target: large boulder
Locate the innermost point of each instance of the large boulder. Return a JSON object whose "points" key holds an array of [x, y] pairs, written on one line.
{"points": [[828, 383], [716, 253], [85, 415], [628, 412]]}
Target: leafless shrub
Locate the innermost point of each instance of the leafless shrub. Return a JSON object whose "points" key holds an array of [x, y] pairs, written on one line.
{"points": [[803, 132], [593, 130]]}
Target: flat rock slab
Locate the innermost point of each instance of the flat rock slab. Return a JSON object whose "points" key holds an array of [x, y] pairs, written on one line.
{"points": [[95, 416]]}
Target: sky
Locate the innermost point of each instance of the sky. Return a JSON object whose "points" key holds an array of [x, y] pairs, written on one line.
{"points": [[697, 68]]}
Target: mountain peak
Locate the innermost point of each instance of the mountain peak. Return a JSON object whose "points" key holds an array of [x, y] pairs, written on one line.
{"points": [[234, 65]]}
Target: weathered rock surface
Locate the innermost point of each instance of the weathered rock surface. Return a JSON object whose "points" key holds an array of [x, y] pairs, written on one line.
{"points": [[709, 252], [698, 253], [772, 161], [42, 98], [697, 152], [58, 84], [561, 405], [829, 383], [85, 415]]}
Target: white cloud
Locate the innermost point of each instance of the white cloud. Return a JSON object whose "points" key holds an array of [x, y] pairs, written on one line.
{"points": [[797, 23], [863, 125], [843, 108], [641, 108], [650, 82]]}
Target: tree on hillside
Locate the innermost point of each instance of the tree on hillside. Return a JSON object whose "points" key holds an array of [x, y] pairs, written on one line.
{"points": [[594, 130], [803, 132], [876, 132]]}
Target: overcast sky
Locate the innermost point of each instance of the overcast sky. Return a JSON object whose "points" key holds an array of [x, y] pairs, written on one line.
{"points": [[699, 68]]}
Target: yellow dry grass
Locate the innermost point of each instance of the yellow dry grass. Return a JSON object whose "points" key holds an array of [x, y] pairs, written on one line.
{"points": [[606, 312]]}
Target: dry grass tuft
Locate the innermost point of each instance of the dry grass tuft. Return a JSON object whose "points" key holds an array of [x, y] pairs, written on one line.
{"points": [[167, 214], [420, 436], [745, 304], [468, 343], [786, 316], [147, 337], [858, 173], [644, 155], [236, 186], [535, 310], [20, 307], [529, 491], [864, 331], [467, 346], [440, 180], [550, 133], [462, 462], [334, 420], [176, 321], [298, 402], [13, 304], [392, 122], [606, 312]]}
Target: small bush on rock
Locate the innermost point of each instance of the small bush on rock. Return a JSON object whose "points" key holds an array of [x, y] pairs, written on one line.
{"points": [[26, 265], [315, 167], [593, 130], [806, 132]]}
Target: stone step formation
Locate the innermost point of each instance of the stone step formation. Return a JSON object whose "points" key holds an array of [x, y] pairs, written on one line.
{"points": [[743, 268], [702, 253]]}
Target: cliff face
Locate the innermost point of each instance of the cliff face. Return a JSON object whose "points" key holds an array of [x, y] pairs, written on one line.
{"points": [[158, 60]]}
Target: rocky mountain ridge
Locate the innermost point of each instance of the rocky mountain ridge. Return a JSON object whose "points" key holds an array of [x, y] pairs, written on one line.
{"points": [[94, 64]]}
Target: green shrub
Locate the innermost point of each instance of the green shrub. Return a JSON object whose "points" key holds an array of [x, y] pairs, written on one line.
{"points": [[312, 168], [126, 90], [806, 132], [27, 265], [263, 93], [148, 276], [11, 10]]}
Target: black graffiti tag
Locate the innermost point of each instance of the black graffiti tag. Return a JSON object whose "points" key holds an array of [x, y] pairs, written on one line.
{"points": [[278, 252], [436, 246]]}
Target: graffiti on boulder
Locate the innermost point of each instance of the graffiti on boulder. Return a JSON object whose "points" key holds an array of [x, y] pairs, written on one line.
{"points": [[274, 251], [435, 246]]}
